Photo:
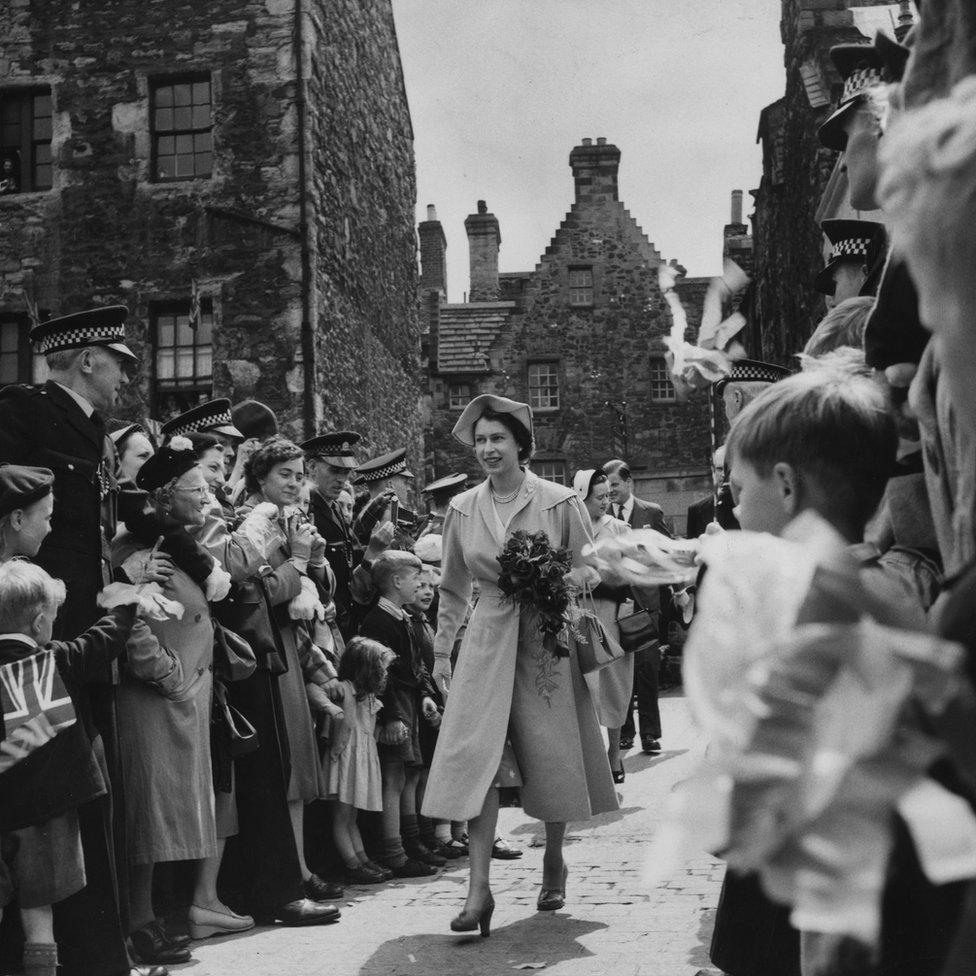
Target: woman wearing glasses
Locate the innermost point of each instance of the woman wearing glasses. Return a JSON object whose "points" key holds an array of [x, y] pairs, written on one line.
{"points": [[170, 810]]}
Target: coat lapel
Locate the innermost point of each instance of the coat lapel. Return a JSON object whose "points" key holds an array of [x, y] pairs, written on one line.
{"points": [[73, 414]]}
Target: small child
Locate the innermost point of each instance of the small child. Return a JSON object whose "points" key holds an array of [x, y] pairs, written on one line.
{"points": [[352, 763], [40, 793], [397, 577]]}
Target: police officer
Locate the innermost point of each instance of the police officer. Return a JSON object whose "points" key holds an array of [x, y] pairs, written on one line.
{"points": [[332, 462], [439, 493], [387, 478]]}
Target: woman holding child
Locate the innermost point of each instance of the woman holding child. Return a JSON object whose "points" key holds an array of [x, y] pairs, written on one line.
{"points": [[498, 730]]}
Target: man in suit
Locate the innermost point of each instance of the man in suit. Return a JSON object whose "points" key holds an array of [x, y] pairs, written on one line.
{"points": [[638, 514], [332, 462], [702, 513], [61, 426]]}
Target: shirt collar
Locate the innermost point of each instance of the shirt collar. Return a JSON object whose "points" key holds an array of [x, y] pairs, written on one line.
{"points": [[22, 638], [82, 402], [628, 508], [391, 608]]}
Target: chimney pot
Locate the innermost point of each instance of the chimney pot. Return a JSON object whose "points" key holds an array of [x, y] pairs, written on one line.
{"points": [[433, 254], [482, 207], [595, 170], [431, 212], [587, 142], [601, 140], [736, 207]]}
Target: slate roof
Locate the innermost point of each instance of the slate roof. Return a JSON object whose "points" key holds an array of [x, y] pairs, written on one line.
{"points": [[465, 334]]}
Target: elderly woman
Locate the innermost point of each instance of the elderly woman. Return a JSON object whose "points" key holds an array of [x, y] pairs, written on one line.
{"points": [[611, 686], [170, 805], [275, 473], [498, 729]]}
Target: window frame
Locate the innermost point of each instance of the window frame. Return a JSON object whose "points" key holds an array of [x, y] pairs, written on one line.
{"points": [[200, 385], [576, 290], [559, 475], [655, 381], [23, 351], [27, 142], [161, 83], [452, 403], [535, 402]]}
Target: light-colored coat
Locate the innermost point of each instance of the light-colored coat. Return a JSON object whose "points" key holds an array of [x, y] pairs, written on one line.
{"points": [[495, 687]]}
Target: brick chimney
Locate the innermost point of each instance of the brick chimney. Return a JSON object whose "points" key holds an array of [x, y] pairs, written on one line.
{"points": [[433, 254], [484, 238], [736, 239], [595, 170]]}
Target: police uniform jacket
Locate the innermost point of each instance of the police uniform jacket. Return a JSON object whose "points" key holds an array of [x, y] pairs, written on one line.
{"points": [[45, 426], [341, 550]]}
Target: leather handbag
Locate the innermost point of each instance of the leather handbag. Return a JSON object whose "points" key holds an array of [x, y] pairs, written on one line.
{"points": [[639, 629], [234, 658], [240, 736], [596, 648]]}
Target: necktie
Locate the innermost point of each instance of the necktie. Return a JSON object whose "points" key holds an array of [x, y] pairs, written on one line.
{"points": [[620, 513]]}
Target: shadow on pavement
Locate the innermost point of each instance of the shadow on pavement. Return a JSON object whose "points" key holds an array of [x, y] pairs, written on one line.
{"points": [[698, 954], [541, 938], [637, 762]]}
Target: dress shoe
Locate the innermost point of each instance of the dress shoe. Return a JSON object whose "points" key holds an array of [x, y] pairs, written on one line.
{"points": [[503, 851], [205, 922], [626, 742], [649, 746], [307, 912], [176, 940], [150, 946], [412, 869], [319, 889], [552, 899], [381, 869], [619, 775], [364, 875], [422, 853], [447, 851], [468, 921]]}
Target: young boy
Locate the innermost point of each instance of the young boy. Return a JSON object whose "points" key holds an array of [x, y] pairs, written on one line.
{"points": [[398, 580], [42, 785], [821, 441]]}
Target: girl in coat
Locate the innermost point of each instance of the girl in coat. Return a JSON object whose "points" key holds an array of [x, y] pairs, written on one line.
{"points": [[498, 730], [612, 686]]}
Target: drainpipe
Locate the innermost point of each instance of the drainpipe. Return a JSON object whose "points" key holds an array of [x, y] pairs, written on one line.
{"points": [[304, 227]]}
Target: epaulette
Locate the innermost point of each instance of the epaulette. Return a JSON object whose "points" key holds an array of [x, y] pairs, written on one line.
{"points": [[14, 390]]}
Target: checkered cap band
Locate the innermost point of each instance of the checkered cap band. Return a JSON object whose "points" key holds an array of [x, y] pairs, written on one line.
{"points": [[385, 472], [92, 335], [745, 372], [851, 247], [859, 81], [219, 419]]}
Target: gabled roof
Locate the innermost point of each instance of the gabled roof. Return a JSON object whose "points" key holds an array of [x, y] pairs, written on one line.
{"points": [[465, 334]]}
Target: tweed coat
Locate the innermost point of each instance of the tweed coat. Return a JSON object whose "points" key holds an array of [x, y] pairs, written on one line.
{"points": [[494, 694]]}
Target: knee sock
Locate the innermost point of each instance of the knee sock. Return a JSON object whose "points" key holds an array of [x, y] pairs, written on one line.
{"points": [[393, 853], [40, 959], [442, 831], [409, 830], [428, 833]]}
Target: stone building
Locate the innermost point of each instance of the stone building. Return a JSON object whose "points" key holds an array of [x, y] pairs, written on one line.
{"points": [[802, 182], [580, 338], [240, 173]]}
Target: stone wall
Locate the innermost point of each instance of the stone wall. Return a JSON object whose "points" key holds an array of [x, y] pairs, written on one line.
{"points": [[107, 233]]}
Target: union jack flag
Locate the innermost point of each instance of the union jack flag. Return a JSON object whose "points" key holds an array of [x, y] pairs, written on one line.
{"points": [[36, 706]]}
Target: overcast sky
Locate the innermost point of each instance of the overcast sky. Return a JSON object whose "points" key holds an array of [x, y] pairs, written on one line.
{"points": [[501, 90]]}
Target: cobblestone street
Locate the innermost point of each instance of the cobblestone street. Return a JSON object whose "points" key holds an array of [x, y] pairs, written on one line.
{"points": [[610, 926]]}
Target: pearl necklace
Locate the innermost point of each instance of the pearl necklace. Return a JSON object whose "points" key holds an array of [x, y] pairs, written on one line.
{"points": [[505, 499]]}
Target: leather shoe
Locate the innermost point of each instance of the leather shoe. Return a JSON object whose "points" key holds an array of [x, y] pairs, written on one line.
{"points": [[649, 746], [364, 875], [503, 851], [205, 922], [307, 912], [626, 742], [149, 945], [318, 889], [422, 853], [446, 851], [412, 869]]}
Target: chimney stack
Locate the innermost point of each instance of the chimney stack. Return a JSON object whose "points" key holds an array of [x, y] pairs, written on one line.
{"points": [[433, 254], [595, 170], [736, 207], [484, 239], [905, 20]]}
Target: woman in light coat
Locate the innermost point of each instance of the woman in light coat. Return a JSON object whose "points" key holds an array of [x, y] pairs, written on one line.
{"points": [[613, 685], [515, 715]]}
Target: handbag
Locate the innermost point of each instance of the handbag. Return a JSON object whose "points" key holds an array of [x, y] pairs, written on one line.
{"points": [[638, 629], [596, 648], [234, 658], [240, 737]]}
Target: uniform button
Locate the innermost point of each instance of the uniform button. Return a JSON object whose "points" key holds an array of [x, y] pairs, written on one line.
{"points": [[210, 667], [201, 670], [198, 617], [71, 467]]}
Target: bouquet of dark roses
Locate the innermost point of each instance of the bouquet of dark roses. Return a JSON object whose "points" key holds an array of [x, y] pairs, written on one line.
{"points": [[533, 577]]}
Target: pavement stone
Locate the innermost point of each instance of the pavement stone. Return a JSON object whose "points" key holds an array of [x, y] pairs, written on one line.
{"points": [[612, 924]]}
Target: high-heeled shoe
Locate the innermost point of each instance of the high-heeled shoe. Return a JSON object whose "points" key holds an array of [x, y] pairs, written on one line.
{"points": [[468, 921], [619, 775], [552, 899]]}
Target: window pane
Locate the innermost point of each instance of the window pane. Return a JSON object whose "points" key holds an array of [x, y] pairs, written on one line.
{"points": [[166, 145], [202, 142], [42, 152], [43, 177], [166, 167], [184, 363], [201, 93], [9, 332], [204, 362], [184, 334], [10, 111], [165, 365], [164, 95], [42, 129], [182, 118], [182, 94], [205, 329], [184, 165], [201, 117], [164, 119], [184, 144], [203, 164], [42, 106], [166, 330]]}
